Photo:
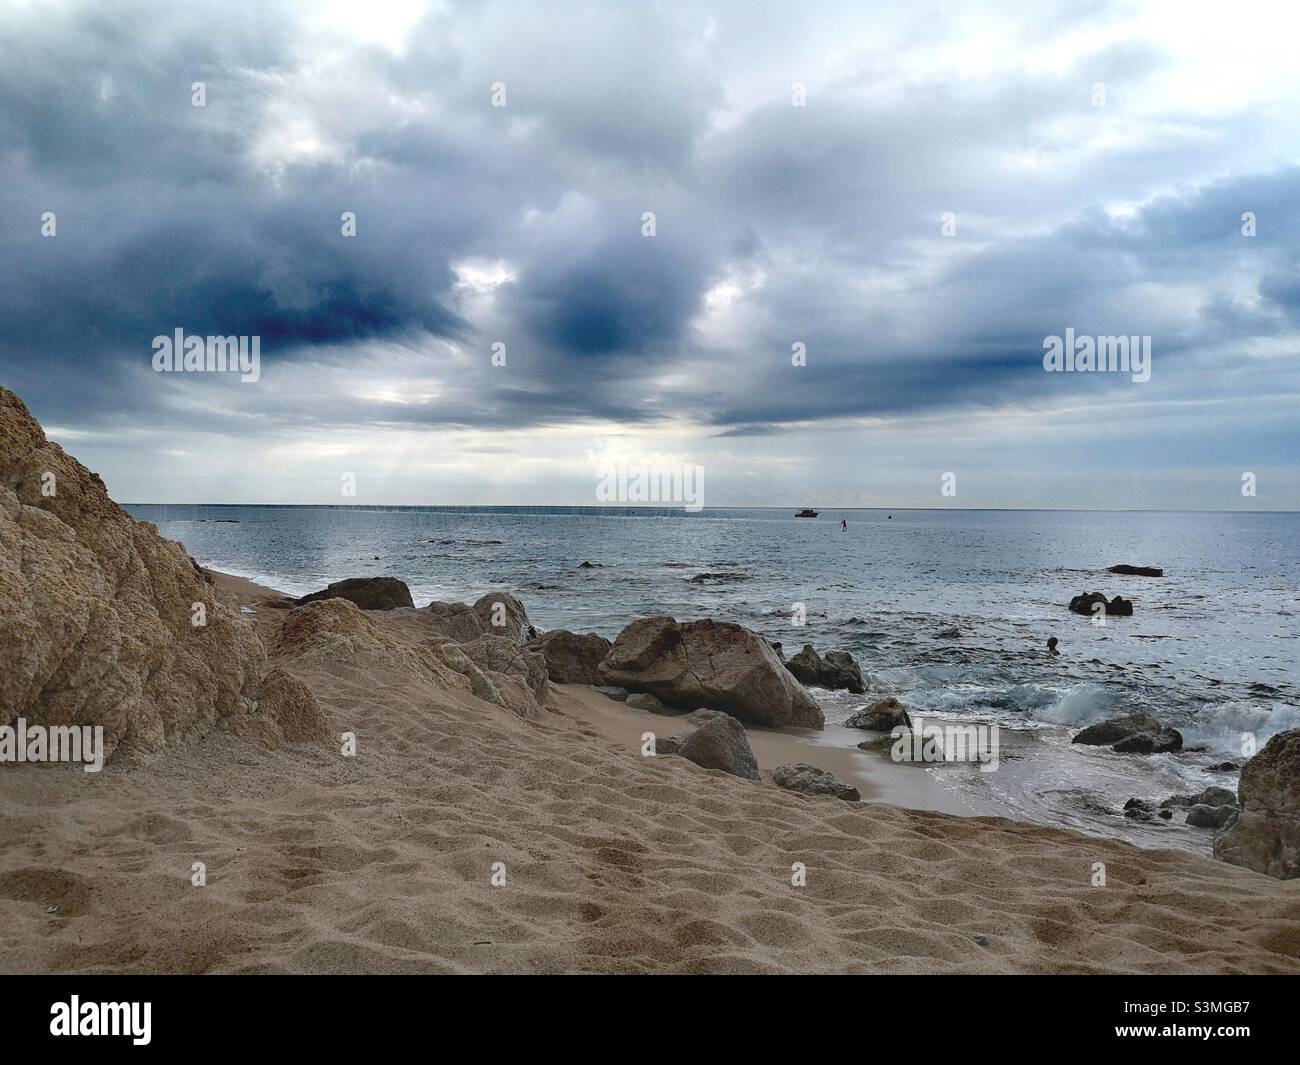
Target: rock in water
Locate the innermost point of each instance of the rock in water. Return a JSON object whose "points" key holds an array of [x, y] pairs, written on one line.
{"points": [[813, 781], [1087, 604], [1202, 816], [369, 593], [721, 744], [1132, 734], [882, 716], [571, 658], [709, 663], [1136, 571], [1266, 837], [837, 671], [97, 610]]}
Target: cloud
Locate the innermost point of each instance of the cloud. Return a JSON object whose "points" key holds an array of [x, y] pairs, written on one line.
{"points": [[521, 225]]}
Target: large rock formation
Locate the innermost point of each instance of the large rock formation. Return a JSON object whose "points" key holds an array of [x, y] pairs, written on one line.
{"points": [[369, 593], [709, 663], [571, 658], [837, 671], [1266, 837], [1131, 734], [102, 621]]}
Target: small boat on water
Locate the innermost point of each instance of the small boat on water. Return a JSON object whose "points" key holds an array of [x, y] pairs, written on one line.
{"points": [[806, 513]]}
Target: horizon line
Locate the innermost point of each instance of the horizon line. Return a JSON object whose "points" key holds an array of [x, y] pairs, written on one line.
{"points": [[749, 506]]}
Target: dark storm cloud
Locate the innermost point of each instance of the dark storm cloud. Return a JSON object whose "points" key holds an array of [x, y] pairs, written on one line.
{"points": [[824, 220]]}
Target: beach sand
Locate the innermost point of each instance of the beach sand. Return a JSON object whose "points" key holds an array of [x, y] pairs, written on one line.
{"points": [[613, 862]]}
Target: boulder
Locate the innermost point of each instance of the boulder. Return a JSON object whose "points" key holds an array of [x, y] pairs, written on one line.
{"points": [[709, 663], [1202, 816], [882, 716], [1266, 837], [497, 614], [1136, 571], [837, 671], [369, 593], [571, 658], [1087, 604], [721, 744], [619, 695], [97, 610], [813, 781], [645, 701], [1131, 734]]}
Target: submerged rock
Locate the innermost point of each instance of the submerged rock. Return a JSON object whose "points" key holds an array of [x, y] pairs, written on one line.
{"points": [[1266, 837], [709, 663], [1131, 734], [837, 671], [1136, 571], [369, 593], [813, 781]]}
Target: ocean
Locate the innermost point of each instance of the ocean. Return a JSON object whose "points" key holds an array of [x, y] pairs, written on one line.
{"points": [[949, 610]]}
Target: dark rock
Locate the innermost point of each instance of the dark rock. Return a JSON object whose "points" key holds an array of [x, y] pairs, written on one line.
{"points": [[1131, 734], [717, 578], [721, 744], [1086, 604], [1138, 810], [617, 694], [1136, 571], [813, 781], [592, 565], [571, 658], [882, 716], [642, 701], [837, 671], [1225, 767], [1202, 816], [369, 593]]}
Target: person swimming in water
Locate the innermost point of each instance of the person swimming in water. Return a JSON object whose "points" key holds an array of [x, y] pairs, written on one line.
{"points": [[1051, 646]]}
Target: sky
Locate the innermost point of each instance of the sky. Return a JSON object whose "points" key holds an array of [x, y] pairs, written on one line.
{"points": [[912, 196]]}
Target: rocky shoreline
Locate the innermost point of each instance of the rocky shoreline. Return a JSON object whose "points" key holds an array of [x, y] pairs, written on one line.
{"points": [[327, 785]]}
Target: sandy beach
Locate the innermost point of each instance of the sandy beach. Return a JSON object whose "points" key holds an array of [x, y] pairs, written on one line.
{"points": [[613, 862]]}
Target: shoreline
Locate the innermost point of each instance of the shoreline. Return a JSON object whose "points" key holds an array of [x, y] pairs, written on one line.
{"points": [[877, 779], [461, 835]]}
